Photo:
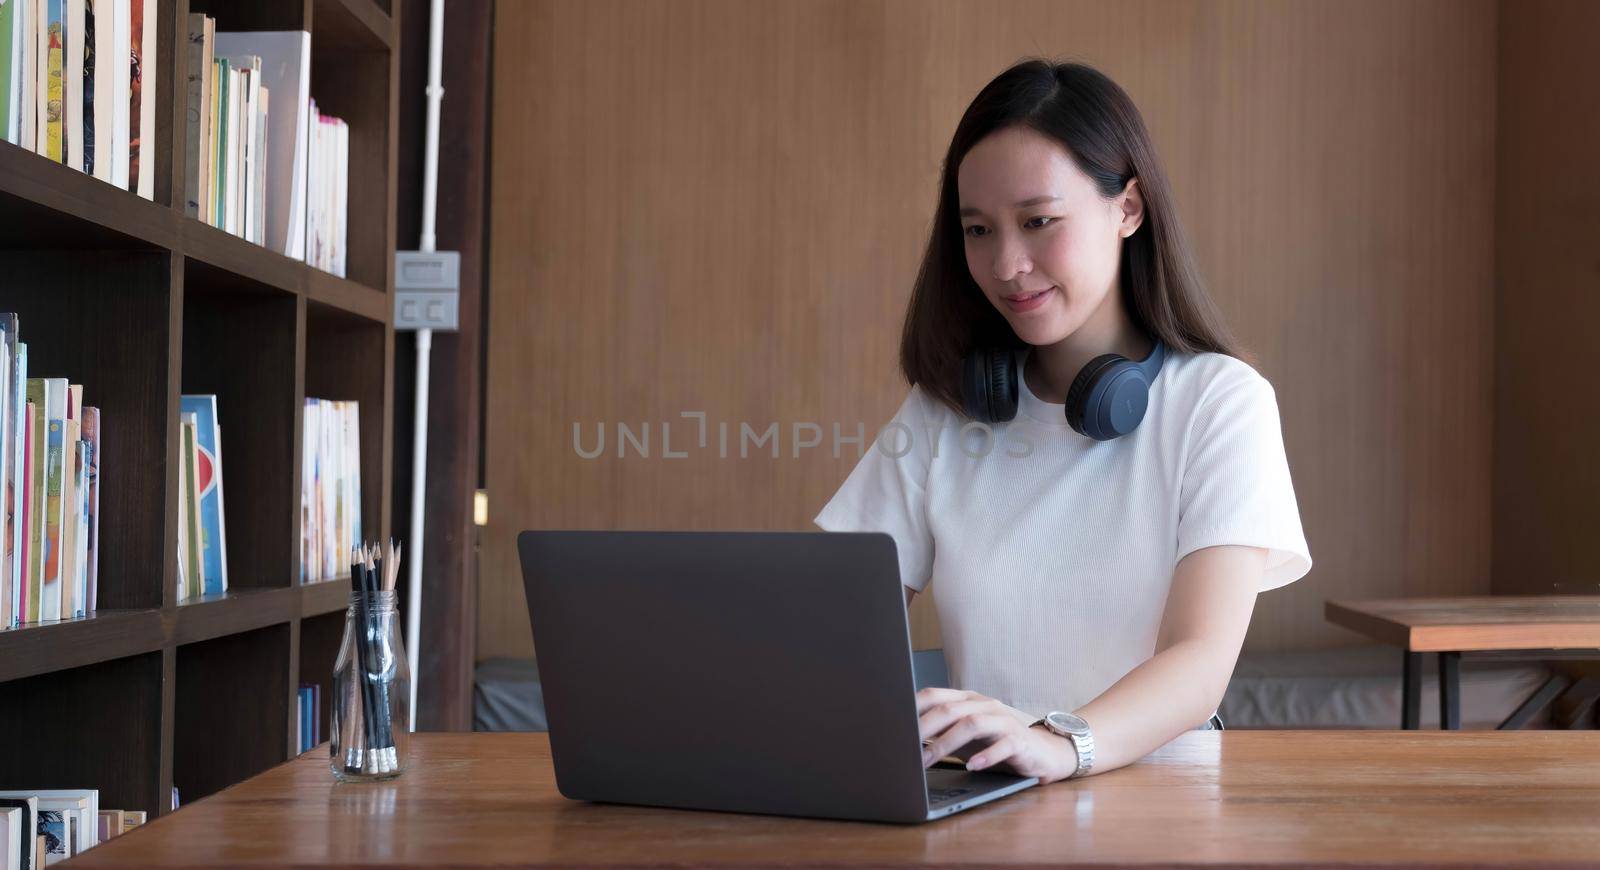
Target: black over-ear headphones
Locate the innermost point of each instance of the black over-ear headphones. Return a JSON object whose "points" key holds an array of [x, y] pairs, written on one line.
{"points": [[1107, 399]]}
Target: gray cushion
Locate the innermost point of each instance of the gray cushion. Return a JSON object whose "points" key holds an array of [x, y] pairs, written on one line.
{"points": [[1359, 687], [1346, 687], [507, 696]]}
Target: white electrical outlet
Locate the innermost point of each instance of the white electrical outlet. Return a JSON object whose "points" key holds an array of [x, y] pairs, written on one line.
{"points": [[427, 310], [427, 290]]}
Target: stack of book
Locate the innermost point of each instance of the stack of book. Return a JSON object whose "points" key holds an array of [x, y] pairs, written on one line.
{"points": [[73, 77], [261, 161], [310, 721], [50, 465], [330, 489], [330, 188], [202, 526], [39, 828]]}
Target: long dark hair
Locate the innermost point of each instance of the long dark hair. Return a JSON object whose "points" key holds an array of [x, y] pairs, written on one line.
{"points": [[1091, 116]]}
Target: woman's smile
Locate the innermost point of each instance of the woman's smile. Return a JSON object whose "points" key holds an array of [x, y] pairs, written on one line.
{"points": [[1031, 302]]}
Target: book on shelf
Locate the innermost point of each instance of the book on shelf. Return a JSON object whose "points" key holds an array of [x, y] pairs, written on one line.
{"points": [[110, 824], [142, 106], [10, 62], [49, 476], [19, 844], [261, 161], [67, 816], [284, 62], [12, 445], [73, 80], [209, 484], [329, 158], [330, 488], [190, 542], [309, 722], [66, 569], [70, 822], [10, 837], [51, 54], [6, 509], [98, 115], [91, 505], [51, 395]]}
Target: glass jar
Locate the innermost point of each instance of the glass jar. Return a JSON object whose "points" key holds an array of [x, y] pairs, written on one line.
{"points": [[371, 693]]}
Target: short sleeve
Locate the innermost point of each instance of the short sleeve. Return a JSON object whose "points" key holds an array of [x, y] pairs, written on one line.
{"points": [[887, 491], [1236, 486]]}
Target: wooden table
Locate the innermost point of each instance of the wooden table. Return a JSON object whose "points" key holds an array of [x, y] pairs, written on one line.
{"points": [[1278, 798], [1545, 627]]}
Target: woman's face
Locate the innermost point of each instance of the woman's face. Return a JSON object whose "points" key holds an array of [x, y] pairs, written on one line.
{"points": [[1031, 222]]}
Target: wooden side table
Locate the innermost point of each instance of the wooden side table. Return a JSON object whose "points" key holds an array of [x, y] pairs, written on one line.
{"points": [[1506, 627]]}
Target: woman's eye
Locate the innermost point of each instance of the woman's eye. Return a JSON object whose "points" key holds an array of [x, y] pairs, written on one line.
{"points": [[970, 231]]}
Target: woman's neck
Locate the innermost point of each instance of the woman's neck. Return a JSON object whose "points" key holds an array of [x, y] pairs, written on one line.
{"points": [[1108, 330]]}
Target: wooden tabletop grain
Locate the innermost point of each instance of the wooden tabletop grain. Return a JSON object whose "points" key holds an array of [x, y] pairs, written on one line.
{"points": [[1484, 622], [1266, 798]]}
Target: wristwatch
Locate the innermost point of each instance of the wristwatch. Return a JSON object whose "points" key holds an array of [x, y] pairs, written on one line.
{"points": [[1075, 729]]}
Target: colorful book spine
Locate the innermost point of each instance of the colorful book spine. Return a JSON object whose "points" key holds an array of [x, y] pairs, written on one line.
{"points": [[212, 542], [91, 435], [136, 66], [55, 475], [12, 433], [56, 50], [27, 596], [80, 519], [21, 428], [7, 606], [194, 99], [36, 497], [191, 459], [8, 82], [87, 154], [71, 605]]}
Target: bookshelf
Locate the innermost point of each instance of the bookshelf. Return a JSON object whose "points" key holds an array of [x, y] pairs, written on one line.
{"points": [[141, 304]]}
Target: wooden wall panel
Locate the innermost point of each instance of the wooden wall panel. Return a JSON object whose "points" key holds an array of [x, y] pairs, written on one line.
{"points": [[720, 206], [1547, 234]]}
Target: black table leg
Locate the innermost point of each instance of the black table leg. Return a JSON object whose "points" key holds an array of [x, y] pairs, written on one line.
{"points": [[1536, 702], [1411, 691], [1449, 691]]}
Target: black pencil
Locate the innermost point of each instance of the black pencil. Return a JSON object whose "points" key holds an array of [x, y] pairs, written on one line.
{"points": [[363, 620], [374, 665], [358, 662]]}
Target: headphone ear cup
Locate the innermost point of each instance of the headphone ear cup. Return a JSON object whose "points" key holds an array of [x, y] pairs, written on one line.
{"points": [[1083, 387], [1002, 386], [1122, 400], [989, 385]]}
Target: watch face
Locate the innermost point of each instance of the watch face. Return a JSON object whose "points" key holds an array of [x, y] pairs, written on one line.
{"points": [[1068, 722]]}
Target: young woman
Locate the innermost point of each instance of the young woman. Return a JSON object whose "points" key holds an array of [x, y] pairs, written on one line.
{"points": [[1086, 471]]}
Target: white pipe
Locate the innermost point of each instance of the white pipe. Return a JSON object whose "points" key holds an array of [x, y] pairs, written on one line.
{"points": [[419, 444], [430, 159], [419, 467]]}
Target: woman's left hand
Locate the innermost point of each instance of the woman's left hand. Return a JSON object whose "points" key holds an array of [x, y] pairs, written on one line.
{"points": [[986, 733]]}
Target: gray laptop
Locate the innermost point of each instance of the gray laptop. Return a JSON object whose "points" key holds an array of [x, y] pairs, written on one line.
{"points": [[754, 672]]}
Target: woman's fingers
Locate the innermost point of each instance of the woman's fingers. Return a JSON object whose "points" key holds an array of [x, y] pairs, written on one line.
{"points": [[977, 727], [936, 719], [1006, 749], [929, 697]]}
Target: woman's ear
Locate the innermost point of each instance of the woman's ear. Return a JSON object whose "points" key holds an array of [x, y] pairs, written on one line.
{"points": [[1131, 201]]}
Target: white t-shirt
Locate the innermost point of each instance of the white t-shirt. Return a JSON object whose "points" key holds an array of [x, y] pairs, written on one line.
{"points": [[1050, 556]]}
